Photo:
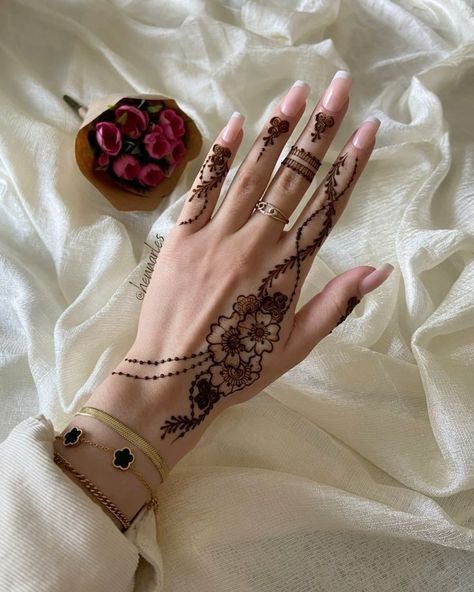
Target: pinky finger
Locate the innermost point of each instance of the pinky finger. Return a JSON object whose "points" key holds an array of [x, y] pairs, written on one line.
{"points": [[330, 307], [204, 193]]}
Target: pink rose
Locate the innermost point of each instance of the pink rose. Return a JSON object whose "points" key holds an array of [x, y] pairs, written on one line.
{"points": [[104, 159], [108, 137], [178, 150], [172, 124], [126, 167], [156, 143], [150, 175], [136, 121]]}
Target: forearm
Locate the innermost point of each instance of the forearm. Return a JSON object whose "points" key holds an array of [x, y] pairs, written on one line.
{"points": [[143, 407]]}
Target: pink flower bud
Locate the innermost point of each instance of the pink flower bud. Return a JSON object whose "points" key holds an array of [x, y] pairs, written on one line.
{"points": [[104, 159], [156, 143], [136, 121], [126, 167], [172, 124], [108, 137], [178, 150], [150, 175]]}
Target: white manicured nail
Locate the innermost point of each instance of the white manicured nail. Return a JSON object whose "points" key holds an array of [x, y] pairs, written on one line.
{"points": [[233, 127], [375, 278]]}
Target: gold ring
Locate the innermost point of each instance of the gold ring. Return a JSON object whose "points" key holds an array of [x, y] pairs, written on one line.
{"points": [[265, 207]]}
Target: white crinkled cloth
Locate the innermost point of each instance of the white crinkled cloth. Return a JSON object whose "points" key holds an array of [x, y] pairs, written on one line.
{"points": [[355, 470]]}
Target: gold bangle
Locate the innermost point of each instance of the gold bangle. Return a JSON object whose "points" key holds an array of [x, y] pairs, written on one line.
{"points": [[94, 490], [129, 435]]}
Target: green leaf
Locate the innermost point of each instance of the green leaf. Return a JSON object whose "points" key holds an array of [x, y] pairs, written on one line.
{"points": [[154, 108], [140, 104], [111, 106], [136, 150], [122, 120]]}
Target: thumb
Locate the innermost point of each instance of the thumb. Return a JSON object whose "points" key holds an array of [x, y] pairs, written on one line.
{"points": [[330, 307]]}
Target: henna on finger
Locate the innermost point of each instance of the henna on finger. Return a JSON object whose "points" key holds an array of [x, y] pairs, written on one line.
{"points": [[301, 161], [351, 304], [277, 127], [216, 163], [331, 196], [321, 123]]}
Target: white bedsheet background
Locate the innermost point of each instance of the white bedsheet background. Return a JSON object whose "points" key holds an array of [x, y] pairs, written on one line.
{"points": [[354, 471]]}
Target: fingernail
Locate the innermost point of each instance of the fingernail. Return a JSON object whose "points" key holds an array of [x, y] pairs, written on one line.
{"points": [[337, 92], [233, 127], [365, 135], [295, 98], [375, 278]]}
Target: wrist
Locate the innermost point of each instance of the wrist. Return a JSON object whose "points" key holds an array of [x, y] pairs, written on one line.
{"points": [[143, 406], [122, 488], [146, 405]]}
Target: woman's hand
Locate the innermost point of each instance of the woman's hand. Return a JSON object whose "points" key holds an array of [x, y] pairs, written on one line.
{"points": [[218, 322]]}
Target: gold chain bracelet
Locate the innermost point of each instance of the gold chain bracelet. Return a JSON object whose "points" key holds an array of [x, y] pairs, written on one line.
{"points": [[94, 490], [122, 459]]}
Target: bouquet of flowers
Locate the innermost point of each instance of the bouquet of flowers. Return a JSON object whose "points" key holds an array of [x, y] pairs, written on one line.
{"points": [[135, 150]]}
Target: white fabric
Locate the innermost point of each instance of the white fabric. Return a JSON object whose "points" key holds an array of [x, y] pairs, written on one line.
{"points": [[355, 470]]}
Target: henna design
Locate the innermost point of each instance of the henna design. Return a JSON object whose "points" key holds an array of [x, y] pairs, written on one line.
{"points": [[312, 161], [216, 163], [162, 375], [236, 344], [328, 209], [351, 304], [299, 168], [321, 123], [277, 126], [163, 361]]}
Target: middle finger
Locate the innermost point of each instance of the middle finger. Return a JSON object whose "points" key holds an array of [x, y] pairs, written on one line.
{"points": [[298, 168]]}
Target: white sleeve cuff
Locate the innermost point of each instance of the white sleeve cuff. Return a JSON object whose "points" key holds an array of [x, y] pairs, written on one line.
{"points": [[54, 537]]}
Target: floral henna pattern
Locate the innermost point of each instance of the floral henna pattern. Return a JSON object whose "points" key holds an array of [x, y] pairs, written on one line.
{"points": [[277, 127], [236, 344], [321, 123], [217, 165]]}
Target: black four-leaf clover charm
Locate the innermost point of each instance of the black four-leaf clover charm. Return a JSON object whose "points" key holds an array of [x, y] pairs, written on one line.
{"points": [[123, 459], [72, 437]]}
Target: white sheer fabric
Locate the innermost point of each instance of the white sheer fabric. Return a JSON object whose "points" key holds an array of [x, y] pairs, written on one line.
{"points": [[355, 470]]}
